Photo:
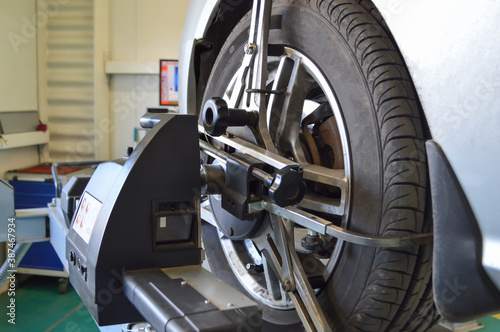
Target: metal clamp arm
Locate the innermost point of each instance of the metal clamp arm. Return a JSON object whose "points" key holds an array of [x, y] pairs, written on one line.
{"points": [[325, 227]]}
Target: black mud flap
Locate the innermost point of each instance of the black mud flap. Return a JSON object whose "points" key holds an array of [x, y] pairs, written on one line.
{"points": [[462, 290]]}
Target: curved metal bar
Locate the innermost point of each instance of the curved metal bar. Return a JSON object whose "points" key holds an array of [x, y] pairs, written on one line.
{"points": [[325, 227]]}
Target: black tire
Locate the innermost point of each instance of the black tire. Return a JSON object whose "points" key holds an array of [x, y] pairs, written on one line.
{"points": [[370, 289]]}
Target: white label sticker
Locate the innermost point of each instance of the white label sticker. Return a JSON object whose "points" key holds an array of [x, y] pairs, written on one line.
{"points": [[163, 222], [86, 216]]}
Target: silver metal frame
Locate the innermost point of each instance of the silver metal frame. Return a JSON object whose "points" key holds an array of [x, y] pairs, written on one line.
{"points": [[310, 221]]}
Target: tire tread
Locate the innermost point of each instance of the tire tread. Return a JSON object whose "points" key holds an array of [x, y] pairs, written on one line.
{"points": [[401, 274]]}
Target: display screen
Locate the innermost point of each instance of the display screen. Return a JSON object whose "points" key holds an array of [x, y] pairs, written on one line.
{"points": [[86, 216], [169, 81]]}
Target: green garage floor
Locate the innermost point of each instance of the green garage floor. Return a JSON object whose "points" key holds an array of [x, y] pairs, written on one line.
{"points": [[40, 307], [492, 324]]}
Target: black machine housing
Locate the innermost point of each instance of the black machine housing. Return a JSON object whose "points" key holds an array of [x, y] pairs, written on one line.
{"points": [[145, 214]]}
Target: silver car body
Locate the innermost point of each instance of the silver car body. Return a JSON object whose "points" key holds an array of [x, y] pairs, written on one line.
{"points": [[453, 59], [451, 49]]}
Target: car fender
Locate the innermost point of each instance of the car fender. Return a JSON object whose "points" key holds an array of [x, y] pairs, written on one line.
{"points": [[452, 57], [199, 16]]}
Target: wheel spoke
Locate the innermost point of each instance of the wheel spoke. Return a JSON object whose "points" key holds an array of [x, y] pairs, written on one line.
{"points": [[237, 87], [260, 27], [285, 110], [272, 281], [207, 214], [282, 79], [271, 262]]}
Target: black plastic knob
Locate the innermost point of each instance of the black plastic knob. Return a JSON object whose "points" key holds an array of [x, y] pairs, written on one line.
{"points": [[288, 188], [216, 117]]}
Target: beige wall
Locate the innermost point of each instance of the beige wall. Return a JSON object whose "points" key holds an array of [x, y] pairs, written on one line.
{"points": [[18, 158], [139, 31], [18, 73], [18, 76]]}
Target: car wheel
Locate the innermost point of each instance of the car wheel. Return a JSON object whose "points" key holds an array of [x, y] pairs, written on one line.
{"points": [[355, 111]]}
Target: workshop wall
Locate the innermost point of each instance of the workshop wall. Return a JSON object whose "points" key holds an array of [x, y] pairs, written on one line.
{"points": [[66, 77], [141, 32], [130, 32], [18, 86], [18, 158], [18, 73]]}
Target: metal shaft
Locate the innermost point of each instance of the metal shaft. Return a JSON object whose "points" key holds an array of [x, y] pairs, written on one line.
{"points": [[265, 177]]}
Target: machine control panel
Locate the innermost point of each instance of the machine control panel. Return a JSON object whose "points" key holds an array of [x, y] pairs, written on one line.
{"points": [[77, 262]]}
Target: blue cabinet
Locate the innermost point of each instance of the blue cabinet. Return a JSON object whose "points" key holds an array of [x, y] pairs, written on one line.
{"points": [[32, 194]]}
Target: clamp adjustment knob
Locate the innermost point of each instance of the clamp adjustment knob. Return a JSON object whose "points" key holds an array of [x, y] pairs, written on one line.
{"points": [[216, 117], [288, 188]]}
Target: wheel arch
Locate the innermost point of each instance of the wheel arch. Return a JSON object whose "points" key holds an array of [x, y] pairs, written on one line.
{"points": [[207, 27]]}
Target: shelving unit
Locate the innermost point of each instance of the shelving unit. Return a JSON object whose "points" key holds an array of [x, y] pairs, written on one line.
{"points": [[24, 139], [132, 68]]}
